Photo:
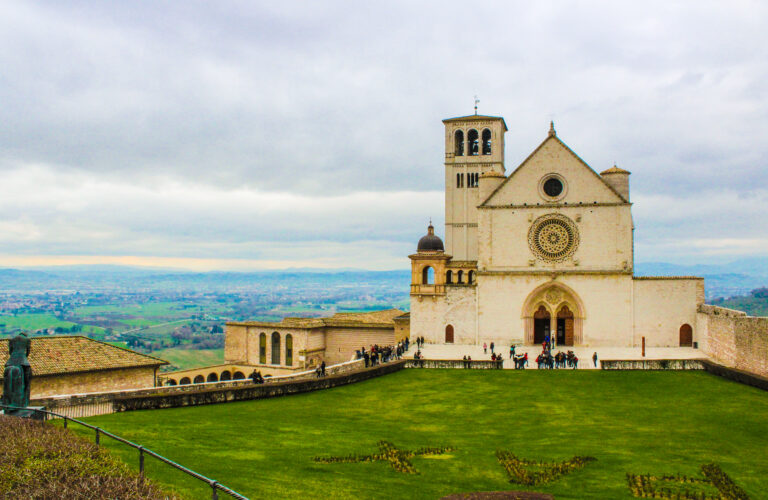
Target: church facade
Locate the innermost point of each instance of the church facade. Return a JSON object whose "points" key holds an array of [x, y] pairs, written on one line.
{"points": [[546, 250]]}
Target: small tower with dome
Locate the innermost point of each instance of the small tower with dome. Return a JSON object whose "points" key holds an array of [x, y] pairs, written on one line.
{"points": [[428, 265]]}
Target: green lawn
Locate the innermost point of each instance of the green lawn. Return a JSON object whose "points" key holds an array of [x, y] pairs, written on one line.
{"points": [[191, 358], [636, 422]]}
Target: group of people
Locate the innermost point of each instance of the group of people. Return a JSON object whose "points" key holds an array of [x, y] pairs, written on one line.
{"points": [[320, 370], [419, 342], [256, 377], [377, 354], [546, 360]]}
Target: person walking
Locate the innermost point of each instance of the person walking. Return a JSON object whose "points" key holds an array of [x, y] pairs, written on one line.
{"points": [[322, 368], [492, 345], [485, 348], [594, 359]]}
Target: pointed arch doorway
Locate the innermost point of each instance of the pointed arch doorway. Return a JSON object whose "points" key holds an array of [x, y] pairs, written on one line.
{"points": [[553, 309], [541, 324]]}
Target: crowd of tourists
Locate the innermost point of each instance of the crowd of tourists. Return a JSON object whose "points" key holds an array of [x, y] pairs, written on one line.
{"points": [[377, 354]]}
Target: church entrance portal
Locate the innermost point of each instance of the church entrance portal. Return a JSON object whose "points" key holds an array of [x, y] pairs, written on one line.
{"points": [[541, 325], [564, 326], [554, 310]]}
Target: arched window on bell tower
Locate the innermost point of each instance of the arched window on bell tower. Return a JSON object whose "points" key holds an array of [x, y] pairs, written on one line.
{"points": [[487, 141], [474, 145], [458, 140]]}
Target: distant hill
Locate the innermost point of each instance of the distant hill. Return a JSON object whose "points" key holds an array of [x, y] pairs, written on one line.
{"points": [[722, 280], [754, 304]]}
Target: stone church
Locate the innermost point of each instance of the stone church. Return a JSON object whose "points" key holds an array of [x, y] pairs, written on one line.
{"points": [[546, 250]]}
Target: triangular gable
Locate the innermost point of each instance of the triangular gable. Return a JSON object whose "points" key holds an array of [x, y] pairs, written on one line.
{"points": [[553, 156]]}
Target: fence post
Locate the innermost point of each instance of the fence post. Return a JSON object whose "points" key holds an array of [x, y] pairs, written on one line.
{"points": [[141, 460], [97, 436], [215, 495]]}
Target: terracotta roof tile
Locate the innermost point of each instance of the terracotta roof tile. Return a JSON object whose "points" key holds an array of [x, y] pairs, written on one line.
{"points": [[72, 354], [384, 318], [615, 170]]}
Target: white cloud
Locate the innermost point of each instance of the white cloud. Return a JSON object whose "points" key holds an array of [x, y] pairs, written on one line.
{"points": [[214, 130]]}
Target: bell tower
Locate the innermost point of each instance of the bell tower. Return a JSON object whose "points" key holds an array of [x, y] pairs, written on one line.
{"points": [[474, 145]]}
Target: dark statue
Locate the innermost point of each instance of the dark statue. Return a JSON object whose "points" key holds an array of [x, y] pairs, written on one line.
{"points": [[17, 374]]}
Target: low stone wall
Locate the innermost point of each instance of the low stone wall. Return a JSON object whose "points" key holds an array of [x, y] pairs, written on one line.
{"points": [[735, 339], [453, 363], [652, 364], [202, 396], [90, 405], [740, 376]]}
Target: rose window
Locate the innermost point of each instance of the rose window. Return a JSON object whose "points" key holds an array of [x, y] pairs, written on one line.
{"points": [[553, 237]]}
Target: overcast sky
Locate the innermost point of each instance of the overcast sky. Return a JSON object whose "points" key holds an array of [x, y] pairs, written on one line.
{"points": [[243, 135]]}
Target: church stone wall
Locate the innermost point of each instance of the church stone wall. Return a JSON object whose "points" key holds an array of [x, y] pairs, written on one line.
{"points": [[430, 315], [662, 306], [605, 235], [735, 339], [101, 381], [606, 302], [552, 157], [235, 344], [341, 343]]}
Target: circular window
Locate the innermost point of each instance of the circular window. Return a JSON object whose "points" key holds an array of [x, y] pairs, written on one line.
{"points": [[553, 237], [553, 187]]}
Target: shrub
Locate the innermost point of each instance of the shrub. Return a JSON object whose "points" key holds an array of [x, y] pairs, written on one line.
{"points": [[520, 470], [679, 487], [38, 460]]}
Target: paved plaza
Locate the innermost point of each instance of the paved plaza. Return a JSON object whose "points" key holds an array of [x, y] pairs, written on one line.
{"points": [[455, 351]]}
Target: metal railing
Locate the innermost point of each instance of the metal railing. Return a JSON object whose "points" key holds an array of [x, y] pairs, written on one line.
{"points": [[213, 484]]}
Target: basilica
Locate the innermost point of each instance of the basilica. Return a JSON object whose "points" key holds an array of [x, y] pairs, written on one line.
{"points": [[545, 250]]}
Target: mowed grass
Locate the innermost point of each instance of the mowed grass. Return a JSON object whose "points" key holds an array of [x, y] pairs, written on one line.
{"points": [[638, 422]]}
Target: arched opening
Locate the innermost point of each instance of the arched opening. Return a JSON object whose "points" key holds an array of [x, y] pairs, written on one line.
{"points": [[199, 379], [460, 278], [263, 348], [686, 335], [474, 143], [540, 325], [185, 381], [560, 302], [289, 350], [486, 142], [471, 277], [275, 348], [225, 375], [564, 326], [449, 277], [449, 334], [458, 140], [427, 276], [238, 376], [170, 382], [213, 377]]}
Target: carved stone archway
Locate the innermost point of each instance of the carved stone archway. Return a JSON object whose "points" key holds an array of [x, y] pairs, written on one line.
{"points": [[564, 306]]}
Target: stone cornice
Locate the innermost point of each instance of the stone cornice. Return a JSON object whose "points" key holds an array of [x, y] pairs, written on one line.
{"points": [[555, 205], [544, 272]]}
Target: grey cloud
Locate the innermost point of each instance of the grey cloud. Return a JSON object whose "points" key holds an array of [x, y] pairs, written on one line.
{"points": [[321, 100]]}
